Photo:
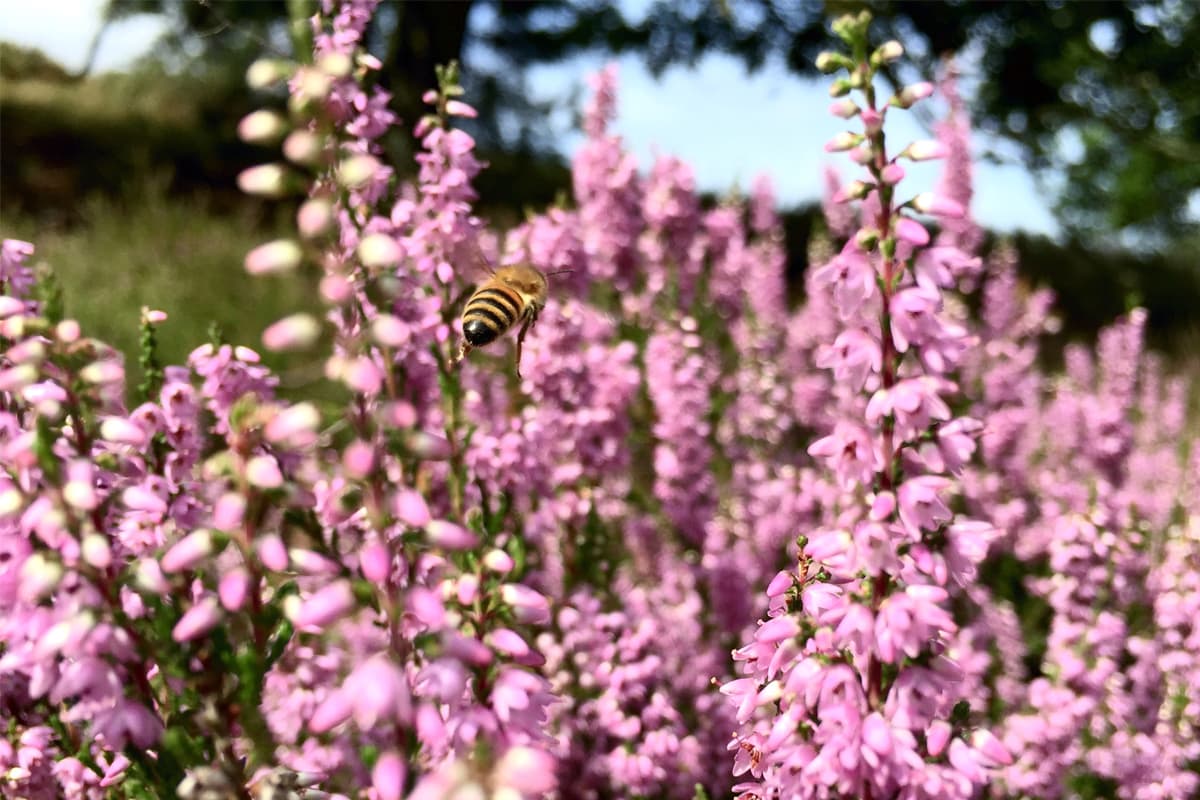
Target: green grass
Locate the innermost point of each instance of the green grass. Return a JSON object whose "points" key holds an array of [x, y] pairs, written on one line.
{"points": [[168, 253]]}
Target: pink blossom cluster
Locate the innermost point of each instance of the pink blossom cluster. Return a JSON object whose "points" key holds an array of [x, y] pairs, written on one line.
{"points": [[942, 570]]}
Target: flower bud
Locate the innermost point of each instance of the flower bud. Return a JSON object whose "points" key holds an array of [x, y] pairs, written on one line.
{"points": [[303, 147], [266, 180], [263, 471], [390, 331], [938, 206], [272, 552], [315, 218], [39, 577], [336, 65], [829, 62], [911, 231], [266, 72], [262, 127], [16, 378], [457, 108], [80, 489], [498, 561], [450, 536], [101, 373], [336, 289], [375, 562], [844, 108], [281, 255], [840, 88], [887, 52], [234, 588], [198, 620], [295, 332], [149, 577], [310, 86], [379, 250], [189, 552], [10, 306], [911, 94], [357, 170], [892, 174], [854, 190], [122, 431], [410, 508], [67, 331], [358, 459], [294, 422], [843, 141], [924, 150], [325, 606], [387, 776]]}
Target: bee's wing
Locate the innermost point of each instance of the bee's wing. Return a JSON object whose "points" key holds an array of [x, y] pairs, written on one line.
{"points": [[480, 260]]}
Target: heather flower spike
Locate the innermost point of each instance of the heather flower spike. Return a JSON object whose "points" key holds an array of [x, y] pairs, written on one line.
{"points": [[850, 663], [423, 582]]}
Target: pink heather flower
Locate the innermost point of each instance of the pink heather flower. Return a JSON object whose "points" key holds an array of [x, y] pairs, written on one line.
{"points": [[197, 620], [921, 504], [851, 277], [234, 588], [325, 606], [387, 776], [379, 694], [854, 355], [189, 552], [449, 535], [294, 332], [410, 508]]}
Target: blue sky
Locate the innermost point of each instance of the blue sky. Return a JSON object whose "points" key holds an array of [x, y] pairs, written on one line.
{"points": [[728, 125]]}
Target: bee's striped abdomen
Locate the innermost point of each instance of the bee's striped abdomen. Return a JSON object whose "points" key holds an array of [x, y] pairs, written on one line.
{"points": [[489, 313]]}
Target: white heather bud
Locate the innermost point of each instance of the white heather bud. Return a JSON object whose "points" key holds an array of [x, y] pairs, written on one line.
{"points": [[11, 501], [315, 218], [843, 141], [829, 61], [840, 88], [303, 147], [266, 72], [336, 65], [390, 331], [924, 150], [262, 127], [294, 332], [357, 170], [311, 85], [100, 373], [378, 250], [265, 180], [96, 550], [16, 378], [843, 107], [68, 331], [887, 52], [39, 577], [930, 203], [912, 93], [281, 255]]}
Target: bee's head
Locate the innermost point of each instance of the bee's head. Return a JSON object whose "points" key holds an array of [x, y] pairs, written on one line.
{"points": [[524, 279]]}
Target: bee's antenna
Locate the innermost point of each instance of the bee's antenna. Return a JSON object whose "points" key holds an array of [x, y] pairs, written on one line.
{"points": [[560, 272]]}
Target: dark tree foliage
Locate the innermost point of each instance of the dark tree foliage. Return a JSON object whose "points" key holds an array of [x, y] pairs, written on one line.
{"points": [[1099, 92]]}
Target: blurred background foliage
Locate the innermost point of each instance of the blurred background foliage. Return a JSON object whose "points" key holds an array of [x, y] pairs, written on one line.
{"points": [[126, 181]]}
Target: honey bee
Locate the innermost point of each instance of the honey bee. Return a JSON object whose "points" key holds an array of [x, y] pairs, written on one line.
{"points": [[512, 294]]}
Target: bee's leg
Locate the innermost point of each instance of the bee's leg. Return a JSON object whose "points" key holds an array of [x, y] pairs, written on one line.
{"points": [[521, 339], [463, 350]]}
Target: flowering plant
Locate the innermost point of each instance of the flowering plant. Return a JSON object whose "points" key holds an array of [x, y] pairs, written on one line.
{"points": [[432, 579]]}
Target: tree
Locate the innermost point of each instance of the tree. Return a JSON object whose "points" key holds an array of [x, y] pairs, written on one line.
{"points": [[1099, 92]]}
